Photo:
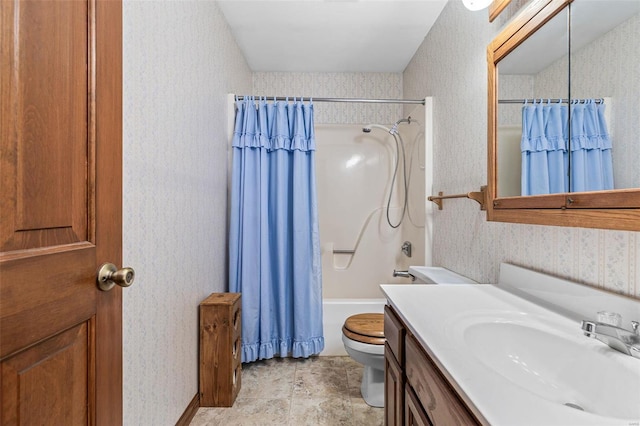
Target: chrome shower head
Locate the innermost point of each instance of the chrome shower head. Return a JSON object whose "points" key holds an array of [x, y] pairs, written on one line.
{"points": [[394, 129]]}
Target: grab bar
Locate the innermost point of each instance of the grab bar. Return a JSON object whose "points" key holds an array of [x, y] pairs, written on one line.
{"points": [[343, 251]]}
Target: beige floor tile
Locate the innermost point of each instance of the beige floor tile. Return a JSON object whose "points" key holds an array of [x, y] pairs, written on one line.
{"points": [[282, 365], [321, 412], [273, 380], [329, 382], [317, 391], [323, 362], [354, 380], [246, 412], [365, 415], [209, 416]]}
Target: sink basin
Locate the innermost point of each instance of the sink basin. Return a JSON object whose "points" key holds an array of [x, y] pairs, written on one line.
{"points": [[562, 367], [515, 362]]}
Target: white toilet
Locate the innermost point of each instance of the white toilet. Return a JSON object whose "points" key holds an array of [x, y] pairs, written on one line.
{"points": [[363, 335], [363, 338]]}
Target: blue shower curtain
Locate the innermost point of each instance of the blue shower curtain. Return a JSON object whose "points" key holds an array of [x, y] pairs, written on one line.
{"points": [[551, 163], [274, 245]]}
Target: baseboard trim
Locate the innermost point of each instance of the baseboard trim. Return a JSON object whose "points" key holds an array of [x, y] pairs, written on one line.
{"points": [[190, 411]]}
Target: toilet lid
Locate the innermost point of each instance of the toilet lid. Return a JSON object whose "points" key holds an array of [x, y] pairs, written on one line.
{"points": [[365, 328]]}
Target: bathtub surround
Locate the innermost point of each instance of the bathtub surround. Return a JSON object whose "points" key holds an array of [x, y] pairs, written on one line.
{"points": [[359, 248], [274, 244], [179, 61]]}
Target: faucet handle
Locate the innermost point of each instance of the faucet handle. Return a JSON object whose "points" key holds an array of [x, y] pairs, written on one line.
{"points": [[635, 325], [588, 327], [610, 318]]}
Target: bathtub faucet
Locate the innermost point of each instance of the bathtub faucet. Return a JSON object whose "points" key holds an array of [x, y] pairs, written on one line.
{"points": [[406, 248], [403, 274]]}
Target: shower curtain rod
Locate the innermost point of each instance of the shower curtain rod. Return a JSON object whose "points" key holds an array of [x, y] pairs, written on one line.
{"points": [[564, 101], [360, 100]]}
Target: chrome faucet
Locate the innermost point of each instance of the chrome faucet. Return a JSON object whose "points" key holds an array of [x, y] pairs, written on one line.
{"points": [[620, 339], [403, 274]]}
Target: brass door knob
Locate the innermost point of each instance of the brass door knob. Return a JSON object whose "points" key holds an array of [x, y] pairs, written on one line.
{"points": [[109, 276]]}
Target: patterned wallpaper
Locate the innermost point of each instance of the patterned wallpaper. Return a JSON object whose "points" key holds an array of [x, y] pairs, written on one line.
{"points": [[463, 240], [180, 61], [337, 85]]}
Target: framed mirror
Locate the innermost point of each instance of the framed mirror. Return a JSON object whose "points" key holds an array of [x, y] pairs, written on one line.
{"points": [[564, 115], [496, 7]]}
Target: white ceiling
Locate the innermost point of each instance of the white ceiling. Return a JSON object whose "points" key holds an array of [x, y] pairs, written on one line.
{"points": [[330, 35]]}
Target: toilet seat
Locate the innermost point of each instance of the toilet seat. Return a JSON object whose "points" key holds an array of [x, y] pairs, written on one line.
{"points": [[365, 328]]}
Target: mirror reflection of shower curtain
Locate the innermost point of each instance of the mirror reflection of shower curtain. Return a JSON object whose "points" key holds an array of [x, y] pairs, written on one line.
{"points": [[591, 162], [274, 243], [544, 149], [546, 166]]}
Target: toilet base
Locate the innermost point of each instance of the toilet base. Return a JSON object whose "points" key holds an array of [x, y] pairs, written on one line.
{"points": [[372, 387]]}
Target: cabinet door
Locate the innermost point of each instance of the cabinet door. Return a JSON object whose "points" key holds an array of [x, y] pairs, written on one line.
{"points": [[432, 388], [393, 390], [394, 332], [414, 414]]}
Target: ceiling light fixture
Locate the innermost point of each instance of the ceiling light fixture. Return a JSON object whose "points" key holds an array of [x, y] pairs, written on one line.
{"points": [[476, 4]]}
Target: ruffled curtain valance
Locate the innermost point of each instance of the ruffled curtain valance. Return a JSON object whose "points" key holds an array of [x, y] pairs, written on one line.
{"points": [[277, 125]]}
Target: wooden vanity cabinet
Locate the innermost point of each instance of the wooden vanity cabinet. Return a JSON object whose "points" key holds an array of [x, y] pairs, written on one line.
{"points": [[437, 397], [414, 413], [393, 390], [417, 393], [393, 375]]}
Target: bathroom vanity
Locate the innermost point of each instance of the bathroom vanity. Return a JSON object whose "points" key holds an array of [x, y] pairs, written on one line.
{"points": [[489, 354], [417, 392]]}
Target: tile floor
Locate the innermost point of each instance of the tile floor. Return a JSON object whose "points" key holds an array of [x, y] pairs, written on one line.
{"points": [[284, 391]]}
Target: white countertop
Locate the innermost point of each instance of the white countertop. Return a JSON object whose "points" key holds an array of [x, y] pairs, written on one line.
{"points": [[438, 315]]}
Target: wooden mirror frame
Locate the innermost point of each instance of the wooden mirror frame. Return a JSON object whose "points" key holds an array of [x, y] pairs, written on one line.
{"points": [[616, 209], [496, 7]]}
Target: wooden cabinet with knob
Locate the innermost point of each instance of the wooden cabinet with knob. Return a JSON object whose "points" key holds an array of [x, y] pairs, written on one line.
{"points": [[220, 349]]}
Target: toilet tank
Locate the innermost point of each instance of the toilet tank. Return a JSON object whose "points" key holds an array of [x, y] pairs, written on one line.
{"points": [[437, 275]]}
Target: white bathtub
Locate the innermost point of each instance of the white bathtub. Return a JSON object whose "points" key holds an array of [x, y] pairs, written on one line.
{"points": [[335, 312]]}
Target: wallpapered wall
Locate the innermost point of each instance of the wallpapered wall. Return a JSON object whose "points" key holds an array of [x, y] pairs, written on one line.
{"points": [[337, 85], [451, 66], [180, 61]]}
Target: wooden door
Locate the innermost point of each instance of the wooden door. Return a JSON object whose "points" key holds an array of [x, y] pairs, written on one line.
{"points": [[60, 211]]}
